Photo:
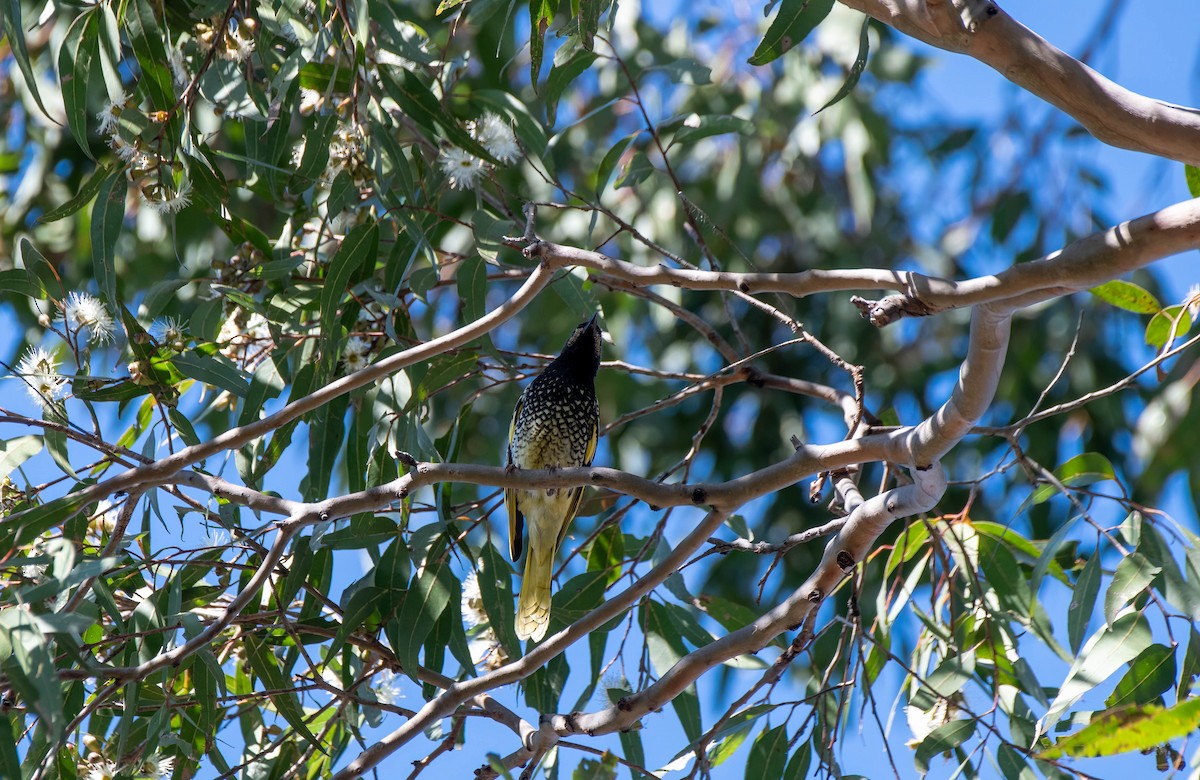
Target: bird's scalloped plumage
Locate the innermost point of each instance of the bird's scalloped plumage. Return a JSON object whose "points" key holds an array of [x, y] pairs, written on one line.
{"points": [[555, 425]]}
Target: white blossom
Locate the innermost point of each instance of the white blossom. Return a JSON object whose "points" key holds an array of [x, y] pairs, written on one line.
{"points": [[497, 137], [355, 353], [104, 769], [472, 601], [179, 72], [170, 331], [310, 101], [461, 167], [386, 686], [247, 344], [86, 313], [103, 521], [36, 571], [111, 114], [156, 767], [1192, 300], [39, 371], [167, 200], [237, 47]]}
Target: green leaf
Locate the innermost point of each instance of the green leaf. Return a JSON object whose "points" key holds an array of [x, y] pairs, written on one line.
{"points": [[1006, 578], [360, 244], [607, 553], [20, 281], [541, 13], [30, 669], [147, 38], [326, 431], [1133, 575], [279, 687], [472, 288], [427, 597], [56, 445], [1150, 675], [496, 591], [579, 596], [1083, 469], [560, 77], [1192, 174], [591, 769], [856, 70], [666, 648], [707, 126], [1168, 325], [420, 104], [631, 744], [1191, 664], [108, 215], [14, 29], [216, 370], [795, 20], [80, 49], [10, 764], [1008, 212], [1106, 650], [943, 739], [638, 169], [797, 768], [14, 452], [685, 70], [1127, 296], [1128, 729], [608, 171], [768, 754], [1083, 602]]}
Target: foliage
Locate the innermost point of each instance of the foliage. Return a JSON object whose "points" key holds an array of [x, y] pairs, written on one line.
{"points": [[228, 208]]}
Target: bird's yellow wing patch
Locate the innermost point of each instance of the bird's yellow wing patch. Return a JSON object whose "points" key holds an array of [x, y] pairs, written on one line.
{"points": [[516, 521], [593, 437]]}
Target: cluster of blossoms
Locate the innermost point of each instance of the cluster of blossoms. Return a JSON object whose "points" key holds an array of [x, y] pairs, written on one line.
{"points": [[245, 338], [103, 521], [485, 646], [97, 767], [87, 319], [236, 41], [39, 370], [462, 168], [171, 333], [159, 180], [86, 322], [347, 148], [233, 271], [386, 687]]}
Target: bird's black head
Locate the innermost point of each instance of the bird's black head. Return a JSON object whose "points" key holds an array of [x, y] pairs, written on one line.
{"points": [[583, 347]]}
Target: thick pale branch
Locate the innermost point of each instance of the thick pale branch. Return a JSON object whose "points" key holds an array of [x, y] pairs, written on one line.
{"points": [[1108, 111], [1080, 265]]}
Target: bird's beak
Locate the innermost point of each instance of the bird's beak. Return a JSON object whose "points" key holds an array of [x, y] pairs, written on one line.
{"points": [[593, 323]]}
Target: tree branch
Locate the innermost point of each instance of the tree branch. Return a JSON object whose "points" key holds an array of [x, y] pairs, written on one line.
{"points": [[1111, 113]]}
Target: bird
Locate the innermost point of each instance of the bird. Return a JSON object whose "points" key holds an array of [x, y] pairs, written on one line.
{"points": [[555, 425]]}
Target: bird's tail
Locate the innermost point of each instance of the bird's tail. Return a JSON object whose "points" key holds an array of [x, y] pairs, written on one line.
{"points": [[533, 608]]}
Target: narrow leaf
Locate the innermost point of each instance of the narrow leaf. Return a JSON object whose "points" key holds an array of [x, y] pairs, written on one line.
{"points": [[795, 20], [1128, 729], [856, 70]]}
